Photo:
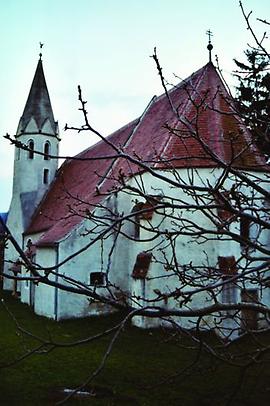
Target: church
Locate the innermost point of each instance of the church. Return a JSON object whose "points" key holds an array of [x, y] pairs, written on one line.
{"points": [[134, 216]]}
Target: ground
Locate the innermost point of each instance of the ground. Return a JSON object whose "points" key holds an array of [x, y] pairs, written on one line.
{"points": [[134, 374]]}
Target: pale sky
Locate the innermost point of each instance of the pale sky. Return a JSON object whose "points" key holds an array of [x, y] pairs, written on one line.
{"points": [[104, 45]]}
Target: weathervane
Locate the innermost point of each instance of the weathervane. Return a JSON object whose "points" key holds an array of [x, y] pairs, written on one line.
{"points": [[40, 47], [209, 46]]}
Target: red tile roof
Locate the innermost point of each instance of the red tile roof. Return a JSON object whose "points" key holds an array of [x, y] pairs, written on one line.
{"points": [[198, 127], [74, 189]]}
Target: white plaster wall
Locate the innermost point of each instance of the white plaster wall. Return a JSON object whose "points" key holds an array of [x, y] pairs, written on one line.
{"points": [[93, 259], [25, 286], [44, 294], [186, 251], [125, 253], [14, 223]]}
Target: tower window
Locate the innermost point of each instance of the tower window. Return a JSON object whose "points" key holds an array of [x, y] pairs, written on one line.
{"points": [[46, 176], [31, 149], [47, 151]]}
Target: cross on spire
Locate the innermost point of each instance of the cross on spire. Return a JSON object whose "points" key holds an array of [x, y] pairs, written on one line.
{"points": [[40, 47], [209, 46]]}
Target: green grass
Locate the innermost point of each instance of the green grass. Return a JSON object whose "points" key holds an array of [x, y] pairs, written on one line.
{"points": [[133, 375]]}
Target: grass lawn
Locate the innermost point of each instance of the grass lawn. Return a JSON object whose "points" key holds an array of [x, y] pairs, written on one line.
{"points": [[133, 375]]}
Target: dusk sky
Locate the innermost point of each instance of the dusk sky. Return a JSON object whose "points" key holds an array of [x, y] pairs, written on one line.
{"points": [[105, 46]]}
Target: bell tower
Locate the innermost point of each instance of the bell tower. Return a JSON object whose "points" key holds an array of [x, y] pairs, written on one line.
{"points": [[35, 166], [35, 163]]}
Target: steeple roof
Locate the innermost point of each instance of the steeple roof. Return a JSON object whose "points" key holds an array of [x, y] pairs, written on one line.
{"points": [[38, 106]]}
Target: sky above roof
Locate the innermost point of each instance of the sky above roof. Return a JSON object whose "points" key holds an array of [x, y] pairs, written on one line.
{"points": [[105, 46]]}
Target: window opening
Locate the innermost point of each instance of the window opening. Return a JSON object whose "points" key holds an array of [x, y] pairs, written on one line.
{"points": [[46, 176], [244, 231], [97, 278], [229, 292], [46, 151], [31, 149], [228, 268]]}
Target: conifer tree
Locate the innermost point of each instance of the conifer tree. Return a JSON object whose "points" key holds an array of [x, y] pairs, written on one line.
{"points": [[253, 95]]}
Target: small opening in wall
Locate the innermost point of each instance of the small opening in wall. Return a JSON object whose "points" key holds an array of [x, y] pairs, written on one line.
{"points": [[47, 151], [97, 279], [31, 149], [245, 232], [46, 176]]}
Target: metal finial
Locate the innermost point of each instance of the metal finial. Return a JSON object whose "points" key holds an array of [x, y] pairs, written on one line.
{"points": [[40, 47], [209, 46]]}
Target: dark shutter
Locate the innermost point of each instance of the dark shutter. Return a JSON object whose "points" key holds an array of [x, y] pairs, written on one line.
{"points": [[141, 266]]}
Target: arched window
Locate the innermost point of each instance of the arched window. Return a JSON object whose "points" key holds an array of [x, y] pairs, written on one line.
{"points": [[31, 149], [47, 150]]}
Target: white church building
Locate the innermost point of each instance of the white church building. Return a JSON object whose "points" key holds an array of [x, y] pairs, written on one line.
{"points": [[127, 226]]}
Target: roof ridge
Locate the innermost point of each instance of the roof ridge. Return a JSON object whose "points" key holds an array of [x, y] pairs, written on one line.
{"points": [[182, 82], [128, 140]]}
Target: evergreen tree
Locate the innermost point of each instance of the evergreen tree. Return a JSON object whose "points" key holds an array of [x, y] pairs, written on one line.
{"points": [[253, 95]]}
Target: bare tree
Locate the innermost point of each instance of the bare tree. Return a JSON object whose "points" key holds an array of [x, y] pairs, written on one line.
{"points": [[197, 213]]}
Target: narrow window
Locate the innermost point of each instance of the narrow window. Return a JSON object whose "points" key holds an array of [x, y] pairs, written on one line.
{"points": [[31, 149], [46, 176], [244, 232], [228, 268], [136, 220], [137, 227], [229, 292], [97, 278], [47, 151]]}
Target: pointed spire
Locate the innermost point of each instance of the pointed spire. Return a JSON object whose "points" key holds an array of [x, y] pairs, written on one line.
{"points": [[38, 106]]}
